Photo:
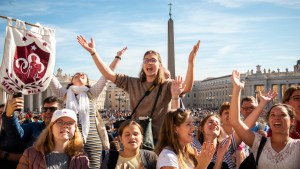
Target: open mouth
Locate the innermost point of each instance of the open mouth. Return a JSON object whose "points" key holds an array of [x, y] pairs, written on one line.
{"points": [[64, 131], [277, 125], [149, 69], [132, 142]]}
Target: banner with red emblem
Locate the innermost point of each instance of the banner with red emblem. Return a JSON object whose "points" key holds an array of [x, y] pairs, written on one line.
{"points": [[28, 59]]}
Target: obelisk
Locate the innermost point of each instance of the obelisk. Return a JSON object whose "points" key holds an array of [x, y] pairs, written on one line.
{"points": [[171, 51]]}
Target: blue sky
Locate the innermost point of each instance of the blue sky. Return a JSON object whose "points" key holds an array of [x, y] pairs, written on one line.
{"points": [[234, 34]]}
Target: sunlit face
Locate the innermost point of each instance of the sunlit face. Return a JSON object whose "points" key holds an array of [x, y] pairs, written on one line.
{"points": [[64, 129], [80, 79], [151, 65], [185, 131], [212, 127], [225, 117], [131, 138], [279, 120], [47, 115], [294, 101], [247, 107]]}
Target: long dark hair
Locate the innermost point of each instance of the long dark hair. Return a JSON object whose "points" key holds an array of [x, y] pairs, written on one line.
{"points": [[168, 137]]}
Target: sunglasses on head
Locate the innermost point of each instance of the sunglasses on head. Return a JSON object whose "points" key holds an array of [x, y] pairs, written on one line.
{"points": [[51, 109]]}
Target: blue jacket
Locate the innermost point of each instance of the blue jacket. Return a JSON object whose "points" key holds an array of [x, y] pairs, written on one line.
{"points": [[26, 133]]}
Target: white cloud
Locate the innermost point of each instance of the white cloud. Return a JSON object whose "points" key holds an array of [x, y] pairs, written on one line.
{"points": [[241, 3]]}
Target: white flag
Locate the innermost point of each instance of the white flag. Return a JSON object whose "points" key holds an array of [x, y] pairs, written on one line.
{"points": [[28, 59]]}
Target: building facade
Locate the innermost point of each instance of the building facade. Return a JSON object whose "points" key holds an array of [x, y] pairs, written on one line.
{"points": [[212, 92]]}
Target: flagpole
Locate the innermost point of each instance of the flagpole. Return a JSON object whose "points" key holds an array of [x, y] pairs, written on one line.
{"points": [[4, 17]]}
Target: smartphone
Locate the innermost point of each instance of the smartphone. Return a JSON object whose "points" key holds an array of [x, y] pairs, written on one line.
{"points": [[15, 95]]}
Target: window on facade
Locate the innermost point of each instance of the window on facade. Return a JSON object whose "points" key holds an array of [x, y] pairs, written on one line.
{"points": [[259, 88], [275, 88], [283, 89]]}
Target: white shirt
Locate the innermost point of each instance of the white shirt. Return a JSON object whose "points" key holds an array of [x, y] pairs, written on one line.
{"points": [[168, 158], [287, 158]]}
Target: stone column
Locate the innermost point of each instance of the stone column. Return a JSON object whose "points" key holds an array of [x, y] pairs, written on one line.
{"points": [[37, 104], [28, 102]]}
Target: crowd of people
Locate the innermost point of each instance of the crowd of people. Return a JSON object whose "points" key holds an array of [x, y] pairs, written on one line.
{"points": [[71, 133]]}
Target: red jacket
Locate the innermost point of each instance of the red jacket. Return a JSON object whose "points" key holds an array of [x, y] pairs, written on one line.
{"points": [[32, 159]]}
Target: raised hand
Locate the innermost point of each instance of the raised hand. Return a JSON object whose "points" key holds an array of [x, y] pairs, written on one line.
{"points": [[194, 52], [267, 97], [236, 80], [89, 46], [222, 149], [177, 86], [120, 53], [205, 156], [13, 104]]}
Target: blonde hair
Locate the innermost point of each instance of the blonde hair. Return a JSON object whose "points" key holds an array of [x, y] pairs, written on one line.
{"points": [[160, 77], [168, 137], [45, 142]]}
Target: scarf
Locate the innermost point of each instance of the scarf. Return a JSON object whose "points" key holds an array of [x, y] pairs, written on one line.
{"points": [[80, 105]]}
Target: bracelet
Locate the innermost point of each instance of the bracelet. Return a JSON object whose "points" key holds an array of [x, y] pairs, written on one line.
{"points": [[175, 98], [93, 53], [118, 57]]}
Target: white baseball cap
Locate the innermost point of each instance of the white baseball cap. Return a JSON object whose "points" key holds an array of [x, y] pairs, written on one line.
{"points": [[64, 113]]}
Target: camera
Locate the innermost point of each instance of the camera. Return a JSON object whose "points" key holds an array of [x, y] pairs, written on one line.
{"points": [[15, 95]]}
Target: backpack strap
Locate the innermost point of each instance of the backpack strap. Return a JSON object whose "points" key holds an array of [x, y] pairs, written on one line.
{"points": [[112, 159], [158, 93], [261, 146], [146, 94]]}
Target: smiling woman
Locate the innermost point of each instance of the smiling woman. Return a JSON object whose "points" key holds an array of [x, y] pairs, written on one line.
{"points": [[151, 73], [60, 145], [81, 97]]}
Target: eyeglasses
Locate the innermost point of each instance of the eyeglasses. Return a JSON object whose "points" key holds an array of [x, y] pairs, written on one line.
{"points": [[150, 61], [295, 98], [51, 109], [248, 108], [67, 123]]}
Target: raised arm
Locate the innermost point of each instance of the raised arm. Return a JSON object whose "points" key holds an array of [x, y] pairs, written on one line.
{"points": [[56, 88], [98, 87], [10, 121], [239, 126], [117, 59], [264, 100], [103, 68], [189, 77]]}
